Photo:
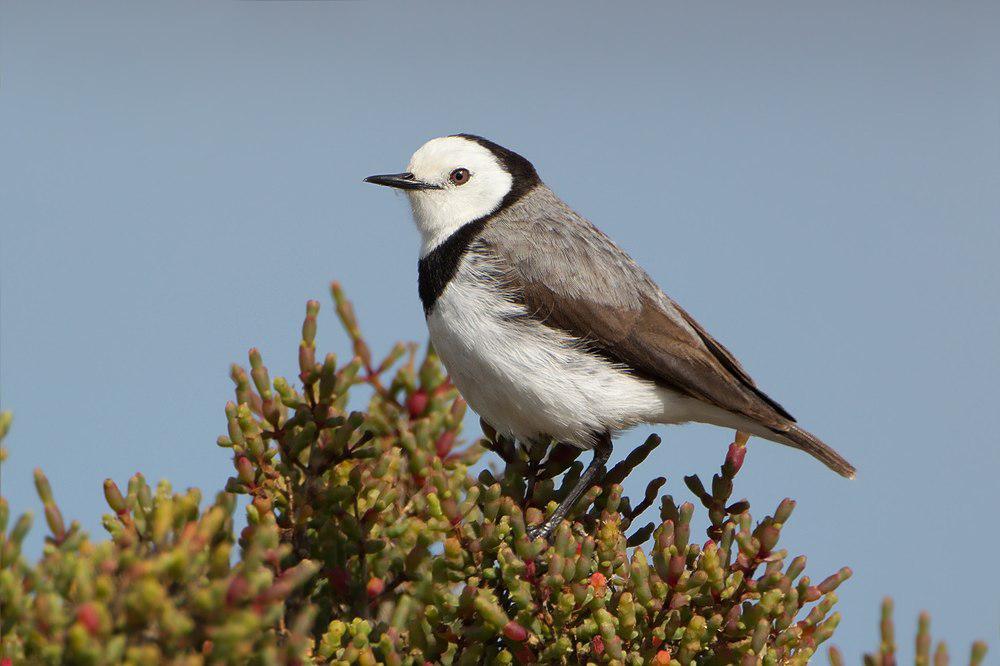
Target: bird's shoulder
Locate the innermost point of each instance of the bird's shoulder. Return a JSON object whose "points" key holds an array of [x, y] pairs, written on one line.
{"points": [[544, 242]]}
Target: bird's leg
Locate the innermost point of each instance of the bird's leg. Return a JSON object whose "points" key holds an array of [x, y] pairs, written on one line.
{"points": [[595, 470], [741, 438], [536, 451], [529, 489]]}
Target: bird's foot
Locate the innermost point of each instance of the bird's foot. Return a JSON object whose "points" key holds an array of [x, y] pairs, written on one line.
{"points": [[543, 531]]}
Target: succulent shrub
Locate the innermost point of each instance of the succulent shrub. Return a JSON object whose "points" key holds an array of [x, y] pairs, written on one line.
{"points": [[368, 539]]}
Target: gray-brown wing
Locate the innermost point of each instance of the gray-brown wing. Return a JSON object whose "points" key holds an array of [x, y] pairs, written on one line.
{"points": [[573, 277]]}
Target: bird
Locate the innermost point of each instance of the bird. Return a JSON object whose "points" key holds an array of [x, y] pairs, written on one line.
{"points": [[550, 331]]}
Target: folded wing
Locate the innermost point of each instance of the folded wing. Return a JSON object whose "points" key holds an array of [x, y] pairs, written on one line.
{"points": [[572, 277]]}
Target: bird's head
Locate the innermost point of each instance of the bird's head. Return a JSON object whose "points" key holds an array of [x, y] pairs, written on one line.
{"points": [[454, 180]]}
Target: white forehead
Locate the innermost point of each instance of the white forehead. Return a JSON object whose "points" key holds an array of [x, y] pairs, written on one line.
{"points": [[444, 154]]}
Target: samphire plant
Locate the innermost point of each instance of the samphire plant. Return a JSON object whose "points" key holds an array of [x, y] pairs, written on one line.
{"points": [[368, 540]]}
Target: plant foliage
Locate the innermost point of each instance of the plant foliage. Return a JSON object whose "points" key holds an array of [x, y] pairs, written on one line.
{"points": [[368, 540]]}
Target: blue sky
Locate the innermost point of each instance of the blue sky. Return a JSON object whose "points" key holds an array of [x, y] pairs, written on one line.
{"points": [[819, 186]]}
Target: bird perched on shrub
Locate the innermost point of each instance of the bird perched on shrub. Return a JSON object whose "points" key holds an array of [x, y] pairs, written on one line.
{"points": [[550, 330]]}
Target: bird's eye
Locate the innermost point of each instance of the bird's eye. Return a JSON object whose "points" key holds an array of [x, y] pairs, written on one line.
{"points": [[459, 176]]}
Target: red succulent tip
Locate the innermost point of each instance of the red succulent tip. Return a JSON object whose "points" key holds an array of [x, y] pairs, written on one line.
{"points": [[444, 444], [238, 590], [87, 615], [662, 658], [375, 587], [735, 456], [515, 632], [416, 404]]}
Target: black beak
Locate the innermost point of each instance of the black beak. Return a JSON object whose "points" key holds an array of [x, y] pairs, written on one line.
{"points": [[403, 181]]}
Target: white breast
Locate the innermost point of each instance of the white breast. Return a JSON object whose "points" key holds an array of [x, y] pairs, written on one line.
{"points": [[528, 380]]}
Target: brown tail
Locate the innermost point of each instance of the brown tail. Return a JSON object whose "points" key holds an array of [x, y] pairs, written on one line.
{"points": [[805, 441]]}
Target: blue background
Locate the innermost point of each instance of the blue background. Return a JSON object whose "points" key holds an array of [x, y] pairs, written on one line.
{"points": [[819, 186]]}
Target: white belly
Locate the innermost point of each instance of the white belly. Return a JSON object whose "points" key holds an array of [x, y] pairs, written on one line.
{"points": [[529, 381]]}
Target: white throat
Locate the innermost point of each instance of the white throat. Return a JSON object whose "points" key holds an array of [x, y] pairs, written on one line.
{"points": [[437, 219], [438, 213]]}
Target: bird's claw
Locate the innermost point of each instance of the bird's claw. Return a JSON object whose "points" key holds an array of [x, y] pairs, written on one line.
{"points": [[539, 531]]}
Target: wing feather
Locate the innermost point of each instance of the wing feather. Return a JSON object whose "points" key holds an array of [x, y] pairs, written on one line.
{"points": [[572, 277]]}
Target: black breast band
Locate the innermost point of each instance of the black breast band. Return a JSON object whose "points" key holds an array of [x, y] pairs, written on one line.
{"points": [[437, 269]]}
